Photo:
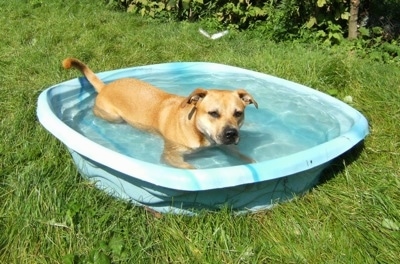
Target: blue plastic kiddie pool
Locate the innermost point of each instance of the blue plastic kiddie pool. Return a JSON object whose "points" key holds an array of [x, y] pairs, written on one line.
{"points": [[293, 136]]}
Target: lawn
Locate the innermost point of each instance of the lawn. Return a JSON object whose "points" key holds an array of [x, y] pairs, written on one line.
{"points": [[49, 214]]}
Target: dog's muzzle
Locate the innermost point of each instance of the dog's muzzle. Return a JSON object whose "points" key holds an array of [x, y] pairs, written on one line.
{"points": [[230, 136]]}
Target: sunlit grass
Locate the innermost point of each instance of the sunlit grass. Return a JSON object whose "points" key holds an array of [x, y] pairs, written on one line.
{"points": [[49, 214]]}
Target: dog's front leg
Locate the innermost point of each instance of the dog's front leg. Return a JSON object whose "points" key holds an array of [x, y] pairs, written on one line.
{"points": [[173, 155], [233, 150]]}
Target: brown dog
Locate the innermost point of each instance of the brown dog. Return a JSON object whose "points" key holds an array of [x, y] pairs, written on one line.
{"points": [[204, 118]]}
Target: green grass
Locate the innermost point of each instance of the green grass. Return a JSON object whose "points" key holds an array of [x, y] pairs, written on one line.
{"points": [[49, 214]]}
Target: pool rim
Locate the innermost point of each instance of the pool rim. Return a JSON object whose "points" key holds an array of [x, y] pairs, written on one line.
{"points": [[200, 179]]}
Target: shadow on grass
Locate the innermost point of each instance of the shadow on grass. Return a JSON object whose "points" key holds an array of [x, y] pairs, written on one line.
{"points": [[339, 163], [383, 14]]}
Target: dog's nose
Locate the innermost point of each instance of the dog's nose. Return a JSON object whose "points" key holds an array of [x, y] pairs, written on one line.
{"points": [[230, 135]]}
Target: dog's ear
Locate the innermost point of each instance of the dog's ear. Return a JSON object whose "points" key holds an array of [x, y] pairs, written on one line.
{"points": [[246, 97], [194, 97]]}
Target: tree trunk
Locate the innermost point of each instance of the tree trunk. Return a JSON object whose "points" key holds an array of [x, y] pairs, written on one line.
{"points": [[354, 5]]}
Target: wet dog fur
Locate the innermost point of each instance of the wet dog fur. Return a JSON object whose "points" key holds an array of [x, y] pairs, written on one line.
{"points": [[202, 119]]}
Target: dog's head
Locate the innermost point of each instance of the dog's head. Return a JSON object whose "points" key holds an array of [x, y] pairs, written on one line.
{"points": [[219, 114]]}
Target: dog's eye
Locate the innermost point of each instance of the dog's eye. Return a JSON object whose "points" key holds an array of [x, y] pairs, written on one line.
{"points": [[237, 114], [214, 114]]}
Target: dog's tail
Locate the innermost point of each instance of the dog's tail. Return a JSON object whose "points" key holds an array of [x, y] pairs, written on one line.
{"points": [[89, 74]]}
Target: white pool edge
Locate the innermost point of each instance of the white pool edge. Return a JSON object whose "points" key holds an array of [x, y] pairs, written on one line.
{"points": [[198, 180]]}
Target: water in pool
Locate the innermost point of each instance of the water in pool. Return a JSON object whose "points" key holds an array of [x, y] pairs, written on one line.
{"points": [[285, 123]]}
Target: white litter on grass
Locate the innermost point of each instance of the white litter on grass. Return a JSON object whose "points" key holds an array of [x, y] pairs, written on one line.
{"points": [[348, 99], [213, 36]]}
